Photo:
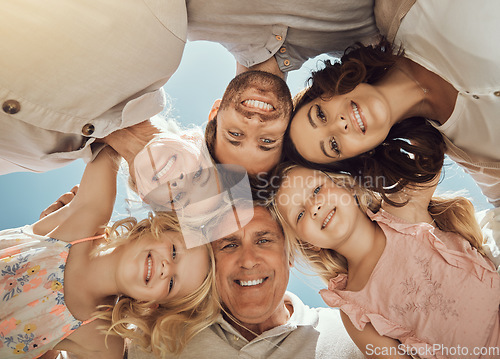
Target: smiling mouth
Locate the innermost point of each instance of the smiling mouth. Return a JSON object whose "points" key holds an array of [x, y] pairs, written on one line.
{"points": [[165, 168], [328, 218], [260, 105], [149, 266], [250, 283], [357, 116]]}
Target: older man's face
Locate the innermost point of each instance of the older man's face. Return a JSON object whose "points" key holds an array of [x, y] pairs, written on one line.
{"points": [[252, 269]]}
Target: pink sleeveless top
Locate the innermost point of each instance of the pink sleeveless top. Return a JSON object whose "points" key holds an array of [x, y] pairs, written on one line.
{"points": [[33, 314], [428, 288]]}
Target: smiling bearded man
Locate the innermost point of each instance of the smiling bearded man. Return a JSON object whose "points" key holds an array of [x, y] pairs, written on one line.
{"points": [[246, 127]]}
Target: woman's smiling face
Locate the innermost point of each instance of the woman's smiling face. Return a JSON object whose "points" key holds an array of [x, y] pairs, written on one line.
{"points": [[344, 126]]}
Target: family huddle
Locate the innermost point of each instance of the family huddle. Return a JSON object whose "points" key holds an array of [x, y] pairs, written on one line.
{"points": [[341, 178]]}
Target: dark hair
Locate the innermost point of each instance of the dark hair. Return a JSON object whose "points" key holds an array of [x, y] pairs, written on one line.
{"points": [[210, 133], [413, 151]]}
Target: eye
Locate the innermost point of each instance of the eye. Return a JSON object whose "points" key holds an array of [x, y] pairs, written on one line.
{"points": [[334, 146], [174, 252], [316, 190], [229, 246], [320, 114], [263, 241], [235, 134], [198, 173], [267, 140], [171, 285], [300, 215]]}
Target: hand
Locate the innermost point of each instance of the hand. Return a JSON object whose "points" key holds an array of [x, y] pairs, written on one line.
{"points": [[61, 202]]}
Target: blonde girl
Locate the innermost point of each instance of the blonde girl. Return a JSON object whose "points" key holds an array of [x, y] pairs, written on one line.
{"points": [[409, 280], [66, 285]]}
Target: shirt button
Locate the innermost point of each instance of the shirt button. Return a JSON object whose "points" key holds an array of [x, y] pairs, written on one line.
{"points": [[278, 37], [88, 129], [286, 62], [236, 338], [11, 107], [496, 93], [475, 96], [283, 50]]}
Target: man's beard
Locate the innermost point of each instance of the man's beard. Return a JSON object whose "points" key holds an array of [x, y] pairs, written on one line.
{"points": [[263, 82]]}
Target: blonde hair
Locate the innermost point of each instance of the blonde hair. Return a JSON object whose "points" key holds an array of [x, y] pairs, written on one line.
{"points": [[158, 327], [450, 215]]}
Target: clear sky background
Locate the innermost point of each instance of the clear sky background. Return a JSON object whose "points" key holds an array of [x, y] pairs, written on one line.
{"points": [[205, 70]]}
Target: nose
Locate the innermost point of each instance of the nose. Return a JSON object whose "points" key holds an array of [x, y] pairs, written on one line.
{"points": [[179, 181], [248, 258], [165, 270], [339, 125], [314, 210], [254, 120]]}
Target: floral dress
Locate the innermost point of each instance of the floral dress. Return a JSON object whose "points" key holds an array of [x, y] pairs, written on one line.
{"points": [[33, 314], [430, 290]]}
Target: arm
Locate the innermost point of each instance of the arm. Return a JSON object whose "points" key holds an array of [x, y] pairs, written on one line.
{"points": [[56, 213], [92, 206], [90, 342], [61, 202], [372, 344]]}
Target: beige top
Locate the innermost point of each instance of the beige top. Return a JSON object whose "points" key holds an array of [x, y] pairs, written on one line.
{"points": [[72, 71]]}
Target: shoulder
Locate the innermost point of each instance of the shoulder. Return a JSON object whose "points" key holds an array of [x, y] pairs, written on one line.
{"points": [[388, 15]]}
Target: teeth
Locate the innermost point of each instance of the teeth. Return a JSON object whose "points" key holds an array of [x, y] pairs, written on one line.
{"points": [[251, 282], [358, 117], [258, 104], [327, 219], [150, 261], [165, 168]]}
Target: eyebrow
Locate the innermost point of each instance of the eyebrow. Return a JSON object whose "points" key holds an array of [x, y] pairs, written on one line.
{"points": [[264, 233], [233, 142], [313, 125], [230, 239]]}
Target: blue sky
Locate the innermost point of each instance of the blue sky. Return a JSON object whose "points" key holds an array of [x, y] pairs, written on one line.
{"points": [[205, 70]]}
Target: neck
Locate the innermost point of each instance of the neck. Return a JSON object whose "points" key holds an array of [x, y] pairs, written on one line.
{"points": [[414, 91], [99, 276], [251, 330], [364, 248], [270, 65], [88, 281], [128, 142], [405, 95]]}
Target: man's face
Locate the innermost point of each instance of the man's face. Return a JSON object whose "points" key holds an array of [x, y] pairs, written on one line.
{"points": [[251, 121], [252, 270]]}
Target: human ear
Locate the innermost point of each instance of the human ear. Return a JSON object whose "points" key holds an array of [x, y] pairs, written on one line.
{"points": [[214, 109], [314, 248]]}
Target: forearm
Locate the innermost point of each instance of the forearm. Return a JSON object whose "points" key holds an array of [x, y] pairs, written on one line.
{"points": [[92, 207], [128, 142]]}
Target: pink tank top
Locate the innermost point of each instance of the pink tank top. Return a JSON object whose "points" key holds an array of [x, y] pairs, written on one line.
{"points": [[430, 290]]}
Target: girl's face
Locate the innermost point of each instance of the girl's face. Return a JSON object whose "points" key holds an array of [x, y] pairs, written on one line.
{"points": [[160, 270], [319, 211], [341, 127], [169, 169]]}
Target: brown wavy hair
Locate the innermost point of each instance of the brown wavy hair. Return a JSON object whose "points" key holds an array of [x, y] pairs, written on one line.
{"points": [[412, 152]]}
